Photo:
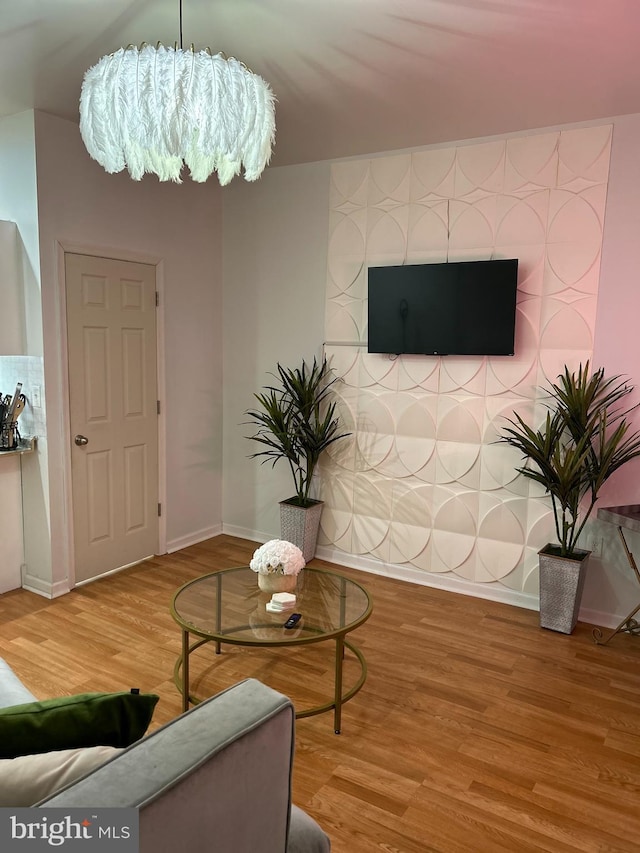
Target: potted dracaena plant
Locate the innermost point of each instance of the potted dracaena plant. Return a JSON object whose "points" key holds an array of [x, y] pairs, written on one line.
{"points": [[296, 420], [583, 440]]}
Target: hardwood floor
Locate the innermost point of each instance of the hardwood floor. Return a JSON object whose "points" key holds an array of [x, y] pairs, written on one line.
{"points": [[476, 730]]}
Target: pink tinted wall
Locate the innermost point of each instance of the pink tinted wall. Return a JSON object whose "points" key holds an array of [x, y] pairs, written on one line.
{"points": [[617, 332]]}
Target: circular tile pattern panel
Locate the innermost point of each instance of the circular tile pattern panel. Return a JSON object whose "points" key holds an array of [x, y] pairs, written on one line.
{"points": [[575, 238], [372, 506], [411, 523], [416, 435], [454, 533], [347, 251], [375, 430], [500, 541]]}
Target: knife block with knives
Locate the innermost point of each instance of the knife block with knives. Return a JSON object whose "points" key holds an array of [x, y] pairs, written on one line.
{"points": [[10, 408]]}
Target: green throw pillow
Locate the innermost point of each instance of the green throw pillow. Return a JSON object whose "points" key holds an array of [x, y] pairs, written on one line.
{"points": [[88, 719]]}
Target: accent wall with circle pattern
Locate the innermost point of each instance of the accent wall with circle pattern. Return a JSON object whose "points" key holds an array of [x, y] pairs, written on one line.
{"points": [[421, 483]]}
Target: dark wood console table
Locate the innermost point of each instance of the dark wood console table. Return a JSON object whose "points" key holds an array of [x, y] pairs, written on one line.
{"points": [[623, 517]]}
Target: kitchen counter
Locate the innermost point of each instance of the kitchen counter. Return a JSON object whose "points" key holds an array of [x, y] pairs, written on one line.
{"points": [[25, 445]]}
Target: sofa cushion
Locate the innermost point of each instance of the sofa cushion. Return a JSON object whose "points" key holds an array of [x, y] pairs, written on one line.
{"points": [[87, 719], [29, 778]]}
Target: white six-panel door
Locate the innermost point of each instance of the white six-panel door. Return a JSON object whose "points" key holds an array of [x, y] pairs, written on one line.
{"points": [[111, 331]]}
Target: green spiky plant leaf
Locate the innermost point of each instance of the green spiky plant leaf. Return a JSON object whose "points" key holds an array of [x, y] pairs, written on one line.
{"points": [[584, 439], [296, 420]]}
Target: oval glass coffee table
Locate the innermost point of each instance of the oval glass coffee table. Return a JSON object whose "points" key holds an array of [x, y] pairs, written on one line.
{"points": [[228, 607]]}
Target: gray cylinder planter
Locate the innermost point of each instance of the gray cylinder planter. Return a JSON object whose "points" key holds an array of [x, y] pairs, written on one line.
{"points": [[300, 525], [561, 583]]}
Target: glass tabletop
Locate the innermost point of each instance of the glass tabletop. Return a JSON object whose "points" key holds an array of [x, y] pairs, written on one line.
{"points": [[228, 606]]}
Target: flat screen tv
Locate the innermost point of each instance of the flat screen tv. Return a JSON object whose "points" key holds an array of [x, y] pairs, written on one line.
{"points": [[459, 308]]}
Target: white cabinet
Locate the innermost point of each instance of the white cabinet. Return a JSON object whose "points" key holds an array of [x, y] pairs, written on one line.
{"points": [[12, 554]]}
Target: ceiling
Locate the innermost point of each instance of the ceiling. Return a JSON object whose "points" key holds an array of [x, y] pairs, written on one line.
{"points": [[354, 76]]}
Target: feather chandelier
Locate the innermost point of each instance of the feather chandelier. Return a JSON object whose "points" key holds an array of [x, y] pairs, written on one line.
{"points": [[158, 109]]}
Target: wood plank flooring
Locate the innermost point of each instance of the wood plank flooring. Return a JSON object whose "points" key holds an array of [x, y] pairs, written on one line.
{"points": [[476, 731]]}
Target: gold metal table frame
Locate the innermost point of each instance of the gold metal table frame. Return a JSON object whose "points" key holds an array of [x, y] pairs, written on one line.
{"points": [[226, 607], [627, 516]]}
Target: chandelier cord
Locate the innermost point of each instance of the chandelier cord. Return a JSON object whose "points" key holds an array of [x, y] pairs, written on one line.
{"points": [[180, 24]]}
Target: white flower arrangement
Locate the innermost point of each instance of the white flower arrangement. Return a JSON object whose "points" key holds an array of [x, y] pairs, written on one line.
{"points": [[277, 557]]}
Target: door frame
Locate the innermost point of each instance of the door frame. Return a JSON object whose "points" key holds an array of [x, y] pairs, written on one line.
{"points": [[63, 248]]}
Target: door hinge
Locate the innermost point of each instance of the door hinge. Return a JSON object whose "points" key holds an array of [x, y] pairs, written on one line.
{"points": [[157, 299], [158, 407], [159, 510]]}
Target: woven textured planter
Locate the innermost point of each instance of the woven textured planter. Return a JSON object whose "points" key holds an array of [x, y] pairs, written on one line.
{"points": [[300, 525], [561, 583]]}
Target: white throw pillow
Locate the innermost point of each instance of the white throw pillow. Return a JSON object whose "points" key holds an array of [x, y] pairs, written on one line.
{"points": [[30, 778]]}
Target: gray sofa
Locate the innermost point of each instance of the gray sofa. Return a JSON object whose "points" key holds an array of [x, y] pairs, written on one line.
{"points": [[217, 779]]}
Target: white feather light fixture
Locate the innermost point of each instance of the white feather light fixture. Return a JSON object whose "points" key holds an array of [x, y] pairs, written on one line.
{"points": [[157, 109]]}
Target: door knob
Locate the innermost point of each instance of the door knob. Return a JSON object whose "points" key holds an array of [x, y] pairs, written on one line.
{"points": [[81, 440]]}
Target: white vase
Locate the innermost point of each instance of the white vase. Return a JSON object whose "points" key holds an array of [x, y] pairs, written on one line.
{"points": [[273, 582]]}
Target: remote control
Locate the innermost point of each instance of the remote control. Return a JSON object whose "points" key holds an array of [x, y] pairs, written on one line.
{"points": [[293, 620]]}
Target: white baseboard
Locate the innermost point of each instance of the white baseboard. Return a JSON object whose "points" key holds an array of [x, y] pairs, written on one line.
{"points": [[44, 588], [491, 592], [243, 533], [193, 538], [600, 618]]}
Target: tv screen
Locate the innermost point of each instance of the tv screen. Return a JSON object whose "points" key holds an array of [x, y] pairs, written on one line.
{"points": [[460, 308]]}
